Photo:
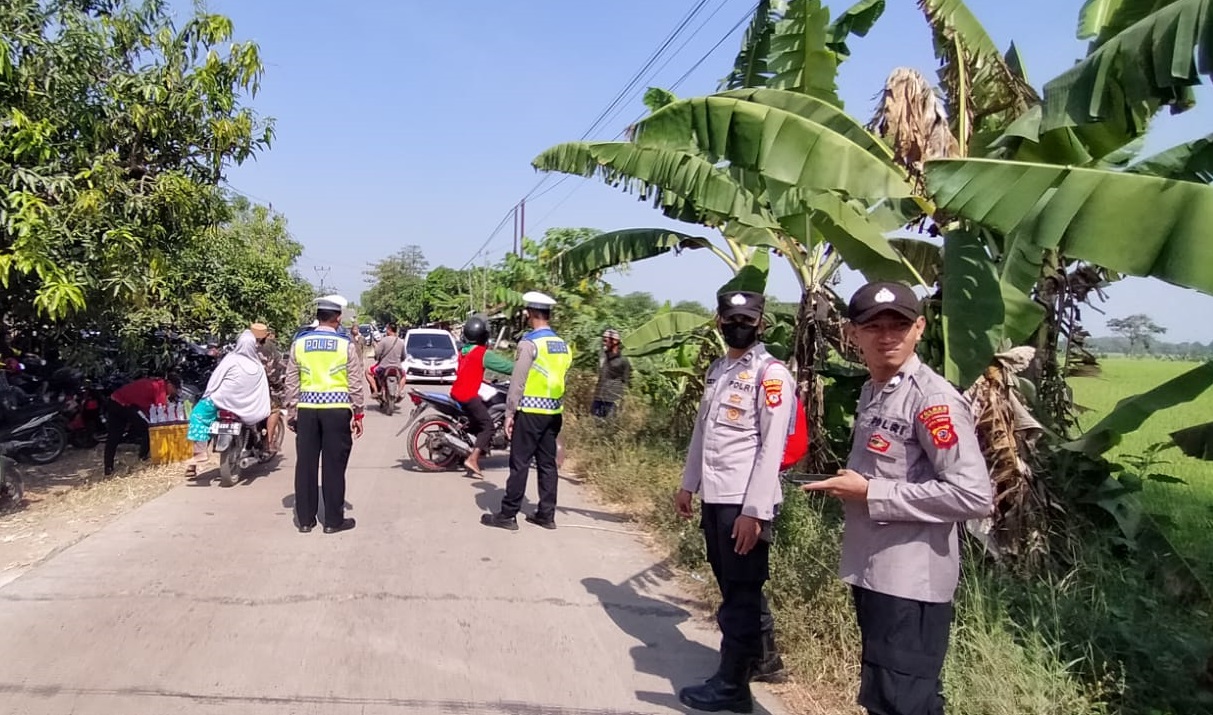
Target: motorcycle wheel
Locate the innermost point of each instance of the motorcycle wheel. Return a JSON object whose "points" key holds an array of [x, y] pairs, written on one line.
{"points": [[425, 449], [229, 462], [12, 487], [52, 440]]}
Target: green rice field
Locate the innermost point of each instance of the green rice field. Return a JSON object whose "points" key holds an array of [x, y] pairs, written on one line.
{"points": [[1190, 505]]}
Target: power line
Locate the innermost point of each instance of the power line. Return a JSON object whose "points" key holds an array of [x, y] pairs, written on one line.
{"points": [[677, 83], [696, 8]]}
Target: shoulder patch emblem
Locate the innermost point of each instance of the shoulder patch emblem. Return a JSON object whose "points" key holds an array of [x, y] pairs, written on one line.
{"points": [[774, 392], [938, 421]]}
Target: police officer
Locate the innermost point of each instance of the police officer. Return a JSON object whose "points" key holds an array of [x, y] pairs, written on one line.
{"points": [[914, 472], [733, 463], [533, 416], [324, 393]]}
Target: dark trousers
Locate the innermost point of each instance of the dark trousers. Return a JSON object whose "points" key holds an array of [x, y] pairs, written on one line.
{"points": [[120, 419], [321, 435], [740, 579], [480, 424], [904, 644], [602, 409], [534, 438]]}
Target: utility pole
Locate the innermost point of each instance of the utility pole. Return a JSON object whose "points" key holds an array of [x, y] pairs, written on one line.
{"points": [[521, 227], [515, 230], [322, 272]]}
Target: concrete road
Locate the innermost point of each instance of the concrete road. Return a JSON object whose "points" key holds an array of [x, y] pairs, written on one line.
{"points": [[207, 600]]}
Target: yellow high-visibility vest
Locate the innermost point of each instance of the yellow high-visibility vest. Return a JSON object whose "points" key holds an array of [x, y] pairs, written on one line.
{"points": [[544, 390], [323, 359]]}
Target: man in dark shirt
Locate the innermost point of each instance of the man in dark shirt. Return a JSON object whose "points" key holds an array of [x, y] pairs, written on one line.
{"points": [[614, 375], [128, 409]]}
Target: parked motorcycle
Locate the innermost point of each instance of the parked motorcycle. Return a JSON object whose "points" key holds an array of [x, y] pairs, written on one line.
{"points": [[240, 446], [438, 438], [390, 395], [33, 433]]}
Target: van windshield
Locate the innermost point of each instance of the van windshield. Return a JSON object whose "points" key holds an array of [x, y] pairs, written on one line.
{"points": [[430, 347]]}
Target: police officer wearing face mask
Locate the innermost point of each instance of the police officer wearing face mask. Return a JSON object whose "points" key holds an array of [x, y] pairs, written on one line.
{"points": [[733, 464]]}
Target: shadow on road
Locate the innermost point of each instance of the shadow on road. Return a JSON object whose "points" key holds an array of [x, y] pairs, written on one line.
{"points": [[663, 651]]}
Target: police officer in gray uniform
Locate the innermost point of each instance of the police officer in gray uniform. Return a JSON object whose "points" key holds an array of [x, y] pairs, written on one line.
{"points": [[914, 472], [733, 463]]}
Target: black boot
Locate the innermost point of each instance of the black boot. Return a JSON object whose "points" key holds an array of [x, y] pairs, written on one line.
{"points": [[728, 690], [770, 668]]}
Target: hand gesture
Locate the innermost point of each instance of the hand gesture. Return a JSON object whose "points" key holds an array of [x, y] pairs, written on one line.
{"points": [[848, 486], [356, 427]]}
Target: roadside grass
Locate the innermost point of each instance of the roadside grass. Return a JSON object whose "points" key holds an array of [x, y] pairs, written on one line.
{"points": [[1000, 662], [1185, 511]]}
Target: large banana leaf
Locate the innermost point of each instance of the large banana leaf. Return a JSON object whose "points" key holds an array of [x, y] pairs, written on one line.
{"points": [[664, 332], [615, 248], [973, 314], [751, 277], [1137, 225], [800, 58], [1101, 20], [856, 20], [844, 226], [983, 93], [713, 196], [1131, 412], [1129, 76], [819, 111], [779, 145], [1192, 161], [924, 257], [750, 68], [1195, 441]]}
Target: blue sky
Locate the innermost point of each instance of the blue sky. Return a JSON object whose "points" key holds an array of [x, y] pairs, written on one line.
{"points": [[415, 123]]}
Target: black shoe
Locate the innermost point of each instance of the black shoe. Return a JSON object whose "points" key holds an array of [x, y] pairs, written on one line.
{"points": [[545, 523], [345, 525], [728, 690], [109, 472], [770, 668], [306, 528], [501, 522]]}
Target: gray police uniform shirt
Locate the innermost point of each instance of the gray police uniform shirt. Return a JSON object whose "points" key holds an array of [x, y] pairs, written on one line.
{"points": [[740, 432], [915, 442]]}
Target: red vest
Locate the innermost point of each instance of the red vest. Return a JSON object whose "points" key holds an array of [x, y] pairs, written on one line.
{"points": [[469, 374]]}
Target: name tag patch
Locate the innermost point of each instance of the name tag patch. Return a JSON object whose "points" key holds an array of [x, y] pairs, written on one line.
{"points": [[556, 347], [938, 421], [312, 345], [887, 424], [877, 443]]}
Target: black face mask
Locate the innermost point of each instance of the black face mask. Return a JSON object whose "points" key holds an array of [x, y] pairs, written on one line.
{"points": [[739, 335]]}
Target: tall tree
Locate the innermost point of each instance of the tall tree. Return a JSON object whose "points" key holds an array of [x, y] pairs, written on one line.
{"points": [[397, 291], [1138, 328]]}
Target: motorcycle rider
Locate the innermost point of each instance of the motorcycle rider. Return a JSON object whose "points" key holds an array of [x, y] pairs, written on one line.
{"points": [[238, 385], [127, 409], [466, 388], [389, 352], [275, 375]]}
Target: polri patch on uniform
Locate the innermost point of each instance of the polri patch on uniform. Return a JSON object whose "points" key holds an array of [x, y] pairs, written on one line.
{"points": [[774, 392], [732, 414], [938, 421], [745, 376], [877, 443], [734, 399]]}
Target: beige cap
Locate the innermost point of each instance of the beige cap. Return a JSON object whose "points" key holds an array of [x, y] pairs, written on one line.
{"points": [[260, 330]]}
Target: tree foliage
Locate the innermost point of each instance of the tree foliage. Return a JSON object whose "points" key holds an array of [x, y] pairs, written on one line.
{"points": [[116, 128], [1139, 328]]}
